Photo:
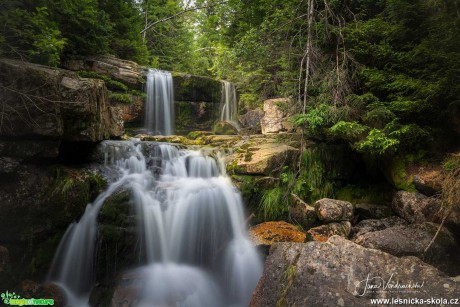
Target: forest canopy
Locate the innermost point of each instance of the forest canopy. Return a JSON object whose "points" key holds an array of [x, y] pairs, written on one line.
{"points": [[381, 75]]}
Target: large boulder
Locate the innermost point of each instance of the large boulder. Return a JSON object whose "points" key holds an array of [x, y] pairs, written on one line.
{"points": [[264, 159], [371, 225], [276, 117], [413, 240], [333, 210], [335, 273], [45, 102], [417, 208]]}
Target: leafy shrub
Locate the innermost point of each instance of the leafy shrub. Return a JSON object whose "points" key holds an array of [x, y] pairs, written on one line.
{"points": [[350, 131], [377, 143], [121, 98]]}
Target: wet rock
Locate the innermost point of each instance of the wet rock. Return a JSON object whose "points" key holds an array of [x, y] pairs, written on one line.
{"points": [[334, 273], [371, 225], [276, 117], [251, 121], [324, 232], [333, 210], [127, 291], [271, 232], [32, 289], [417, 208], [412, 240], [371, 211]]}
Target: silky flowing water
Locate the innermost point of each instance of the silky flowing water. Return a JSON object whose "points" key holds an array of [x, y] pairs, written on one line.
{"points": [[159, 105], [229, 101], [191, 225]]}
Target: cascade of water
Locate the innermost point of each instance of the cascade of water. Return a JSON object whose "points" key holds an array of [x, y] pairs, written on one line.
{"points": [[159, 106], [229, 103], [191, 225]]}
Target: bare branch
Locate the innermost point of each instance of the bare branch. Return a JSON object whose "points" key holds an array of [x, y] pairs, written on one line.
{"points": [[180, 13]]}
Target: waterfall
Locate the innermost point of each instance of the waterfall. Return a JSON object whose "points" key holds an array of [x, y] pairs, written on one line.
{"points": [[191, 225], [229, 103], [159, 106]]}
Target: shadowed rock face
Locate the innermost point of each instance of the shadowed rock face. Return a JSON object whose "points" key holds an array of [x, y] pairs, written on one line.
{"points": [[45, 102], [334, 274]]}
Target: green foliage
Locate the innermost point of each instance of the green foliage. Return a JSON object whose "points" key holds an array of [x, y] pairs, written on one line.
{"points": [[451, 163], [315, 119], [30, 33], [374, 194], [377, 143], [126, 23], [109, 82], [314, 181], [121, 98], [86, 28], [350, 131], [272, 204]]}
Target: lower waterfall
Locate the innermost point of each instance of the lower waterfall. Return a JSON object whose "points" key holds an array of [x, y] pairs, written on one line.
{"points": [[190, 224]]}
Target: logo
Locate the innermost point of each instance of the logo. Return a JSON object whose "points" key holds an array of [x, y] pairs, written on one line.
{"points": [[379, 284], [14, 299]]}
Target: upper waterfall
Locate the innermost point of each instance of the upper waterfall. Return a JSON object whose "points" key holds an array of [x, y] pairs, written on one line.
{"points": [[159, 106], [229, 103]]}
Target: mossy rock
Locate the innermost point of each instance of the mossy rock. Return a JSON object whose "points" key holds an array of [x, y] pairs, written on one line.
{"points": [[396, 171], [116, 209], [224, 128]]}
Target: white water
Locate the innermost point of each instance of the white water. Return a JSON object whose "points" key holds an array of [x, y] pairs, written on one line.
{"points": [[229, 103], [191, 226], [159, 106]]}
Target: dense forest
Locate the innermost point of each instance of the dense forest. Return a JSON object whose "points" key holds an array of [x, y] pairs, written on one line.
{"points": [[381, 75]]}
